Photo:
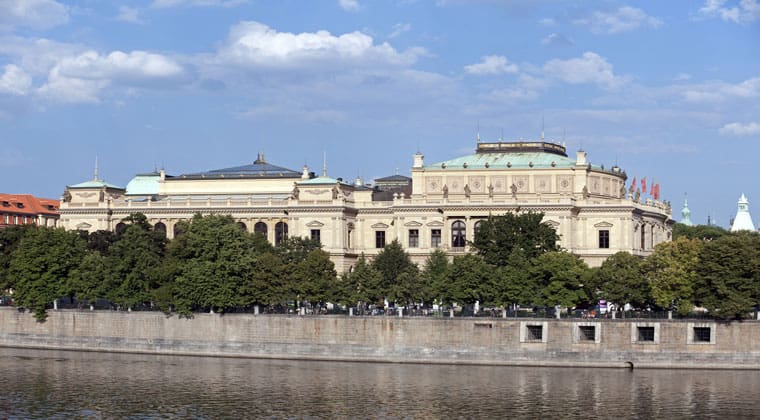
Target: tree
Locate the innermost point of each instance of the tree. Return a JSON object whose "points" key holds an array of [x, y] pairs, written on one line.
{"points": [[703, 232], [41, 266], [728, 275], [435, 275], [215, 264], [267, 283], [361, 285], [392, 262], [560, 277], [101, 241], [133, 264], [10, 238], [513, 283], [671, 273], [499, 236], [315, 277], [87, 281], [467, 277], [621, 280]]}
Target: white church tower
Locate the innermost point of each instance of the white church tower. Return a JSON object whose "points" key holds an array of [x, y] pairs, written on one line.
{"points": [[743, 220]]}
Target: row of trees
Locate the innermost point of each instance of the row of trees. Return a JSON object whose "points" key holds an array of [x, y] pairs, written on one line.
{"points": [[216, 266]]}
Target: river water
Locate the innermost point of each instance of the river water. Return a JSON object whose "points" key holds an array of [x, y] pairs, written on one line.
{"points": [[65, 385]]}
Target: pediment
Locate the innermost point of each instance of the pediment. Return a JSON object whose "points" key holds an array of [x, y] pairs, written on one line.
{"points": [[380, 226], [603, 225], [435, 223], [83, 226], [315, 223], [413, 224], [552, 223]]}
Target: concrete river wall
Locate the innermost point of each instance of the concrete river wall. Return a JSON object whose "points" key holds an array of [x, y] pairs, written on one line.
{"points": [[496, 341]]}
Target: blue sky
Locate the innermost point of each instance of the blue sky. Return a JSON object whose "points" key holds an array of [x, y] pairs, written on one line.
{"points": [[668, 90]]}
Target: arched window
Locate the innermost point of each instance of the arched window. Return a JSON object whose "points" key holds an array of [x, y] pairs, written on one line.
{"points": [[260, 227], [280, 232], [120, 228], [458, 234], [160, 227], [476, 228], [178, 229], [242, 225]]}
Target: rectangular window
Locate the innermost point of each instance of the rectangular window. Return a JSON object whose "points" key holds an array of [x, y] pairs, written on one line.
{"points": [[604, 239], [414, 238], [316, 235], [15, 220], [534, 333], [587, 333], [643, 238], [701, 334], [435, 238], [645, 334], [380, 239]]}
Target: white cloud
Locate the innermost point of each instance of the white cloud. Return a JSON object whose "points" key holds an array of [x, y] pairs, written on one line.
{"points": [[623, 19], [129, 14], [399, 29], [14, 81], [71, 90], [589, 68], [491, 64], [721, 91], [557, 40], [739, 129], [745, 11], [133, 66], [349, 5], [36, 14], [256, 44], [162, 4], [81, 78]]}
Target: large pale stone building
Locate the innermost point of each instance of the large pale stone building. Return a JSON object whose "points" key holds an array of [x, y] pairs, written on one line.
{"points": [[440, 206]]}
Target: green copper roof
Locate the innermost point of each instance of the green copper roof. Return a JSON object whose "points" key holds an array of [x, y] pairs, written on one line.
{"points": [[95, 183], [320, 180], [506, 160], [144, 184]]}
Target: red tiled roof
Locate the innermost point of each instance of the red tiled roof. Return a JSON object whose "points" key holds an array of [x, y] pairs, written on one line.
{"points": [[27, 204]]}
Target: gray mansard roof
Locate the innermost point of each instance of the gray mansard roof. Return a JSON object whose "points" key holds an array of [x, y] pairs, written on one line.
{"points": [[258, 169]]}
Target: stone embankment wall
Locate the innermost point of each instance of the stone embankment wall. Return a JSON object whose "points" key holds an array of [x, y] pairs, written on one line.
{"points": [[606, 343]]}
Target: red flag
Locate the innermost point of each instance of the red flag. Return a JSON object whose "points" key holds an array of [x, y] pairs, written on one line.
{"points": [[644, 184], [633, 185], [656, 192]]}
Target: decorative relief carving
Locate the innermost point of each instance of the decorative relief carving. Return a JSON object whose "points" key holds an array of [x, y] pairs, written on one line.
{"points": [[499, 184], [606, 186], [565, 183], [543, 183], [434, 184], [521, 182], [85, 194], [455, 183], [595, 186], [318, 191], [603, 225], [477, 184]]}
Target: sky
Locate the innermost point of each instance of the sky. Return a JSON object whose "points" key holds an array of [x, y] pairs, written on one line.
{"points": [[667, 90]]}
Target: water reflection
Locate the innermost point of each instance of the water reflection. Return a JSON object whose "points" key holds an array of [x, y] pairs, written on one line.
{"points": [[54, 384]]}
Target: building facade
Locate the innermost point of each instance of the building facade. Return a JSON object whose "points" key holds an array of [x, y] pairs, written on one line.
{"points": [[440, 206], [25, 209]]}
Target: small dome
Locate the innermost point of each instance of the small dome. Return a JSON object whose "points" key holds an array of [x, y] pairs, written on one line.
{"points": [[144, 184]]}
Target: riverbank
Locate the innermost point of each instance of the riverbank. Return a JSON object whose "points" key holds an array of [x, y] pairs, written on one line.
{"points": [[473, 341]]}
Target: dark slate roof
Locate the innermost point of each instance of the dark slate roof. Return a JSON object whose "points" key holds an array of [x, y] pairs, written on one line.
{"points": [[394, 178], [258, 169]]}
